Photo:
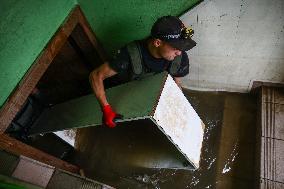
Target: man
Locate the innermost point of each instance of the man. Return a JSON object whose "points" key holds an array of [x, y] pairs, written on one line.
{"points": [[164, 50]]}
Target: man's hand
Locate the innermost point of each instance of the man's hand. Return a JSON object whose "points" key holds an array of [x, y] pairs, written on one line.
{"points": [[110, 116]]}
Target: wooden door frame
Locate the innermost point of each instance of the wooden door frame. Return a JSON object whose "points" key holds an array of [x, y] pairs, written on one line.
{"points": [[17, 98]]}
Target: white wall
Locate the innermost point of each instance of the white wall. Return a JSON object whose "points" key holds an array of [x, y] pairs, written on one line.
{"points": [[238, 42]]}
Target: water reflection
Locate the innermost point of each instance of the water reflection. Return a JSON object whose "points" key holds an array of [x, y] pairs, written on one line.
{"points": [[201, 178], [227, 156], [219, 155]]}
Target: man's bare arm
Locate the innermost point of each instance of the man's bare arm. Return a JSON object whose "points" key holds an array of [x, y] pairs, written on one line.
{"points": [[96, 79]]}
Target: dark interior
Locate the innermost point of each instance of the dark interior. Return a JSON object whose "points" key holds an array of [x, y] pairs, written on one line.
{"points": [[68, 75], [66, 78]]}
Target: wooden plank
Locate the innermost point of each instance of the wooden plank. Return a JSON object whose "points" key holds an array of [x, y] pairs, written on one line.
{"points": [[91, 35], [18, 148], [157, 100], [133, 100], [85, 49], [31, 78]]}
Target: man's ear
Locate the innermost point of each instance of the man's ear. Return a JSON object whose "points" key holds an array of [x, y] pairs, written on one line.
{"points": [[157, 42]]}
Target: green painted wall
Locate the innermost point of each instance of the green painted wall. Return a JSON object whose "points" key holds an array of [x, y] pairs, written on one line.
{"points": [[25, 28], [118, 22]]}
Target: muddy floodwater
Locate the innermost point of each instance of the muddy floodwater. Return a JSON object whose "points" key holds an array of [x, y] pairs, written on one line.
{"points": [[228, 152]]}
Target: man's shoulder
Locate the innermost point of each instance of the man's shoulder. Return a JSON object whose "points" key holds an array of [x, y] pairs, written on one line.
{"points": [[140, 43], [136, 49], [120, 60]]}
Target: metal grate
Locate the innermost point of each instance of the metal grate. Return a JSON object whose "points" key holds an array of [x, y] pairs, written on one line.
{"points": [[90, 185]]}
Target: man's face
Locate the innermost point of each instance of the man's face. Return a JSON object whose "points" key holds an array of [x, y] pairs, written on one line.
{"points": [[168, 52]]}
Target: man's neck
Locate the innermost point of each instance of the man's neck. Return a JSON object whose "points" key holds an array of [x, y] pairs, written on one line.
{"points": [[152, 49]]}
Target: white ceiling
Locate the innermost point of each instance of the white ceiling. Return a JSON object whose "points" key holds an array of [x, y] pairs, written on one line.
{"points": [[238, 42]]}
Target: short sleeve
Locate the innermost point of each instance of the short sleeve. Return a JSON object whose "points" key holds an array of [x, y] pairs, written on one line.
{"points": [[184, 67], [120, 62]]}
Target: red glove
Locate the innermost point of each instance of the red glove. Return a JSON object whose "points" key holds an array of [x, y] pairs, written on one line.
{"points": [[110, 116]]}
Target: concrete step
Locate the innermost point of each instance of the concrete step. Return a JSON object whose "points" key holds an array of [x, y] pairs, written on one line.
{"points": [[270, 154], [26, 172]]}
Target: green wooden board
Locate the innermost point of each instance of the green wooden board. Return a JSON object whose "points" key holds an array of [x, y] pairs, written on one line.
{"points": [[133, 100]]}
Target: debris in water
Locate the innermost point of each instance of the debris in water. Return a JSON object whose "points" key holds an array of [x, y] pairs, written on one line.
{"points": [[194, 181], [230, 160], [209, 166], [67, 135], [148, 179], [225, 170]]}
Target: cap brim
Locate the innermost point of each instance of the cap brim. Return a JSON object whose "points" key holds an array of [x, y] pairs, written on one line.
{"points": [[183, 44]]}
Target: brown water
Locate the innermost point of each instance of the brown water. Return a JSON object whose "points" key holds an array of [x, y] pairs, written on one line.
{"points": [[227, 154]]}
